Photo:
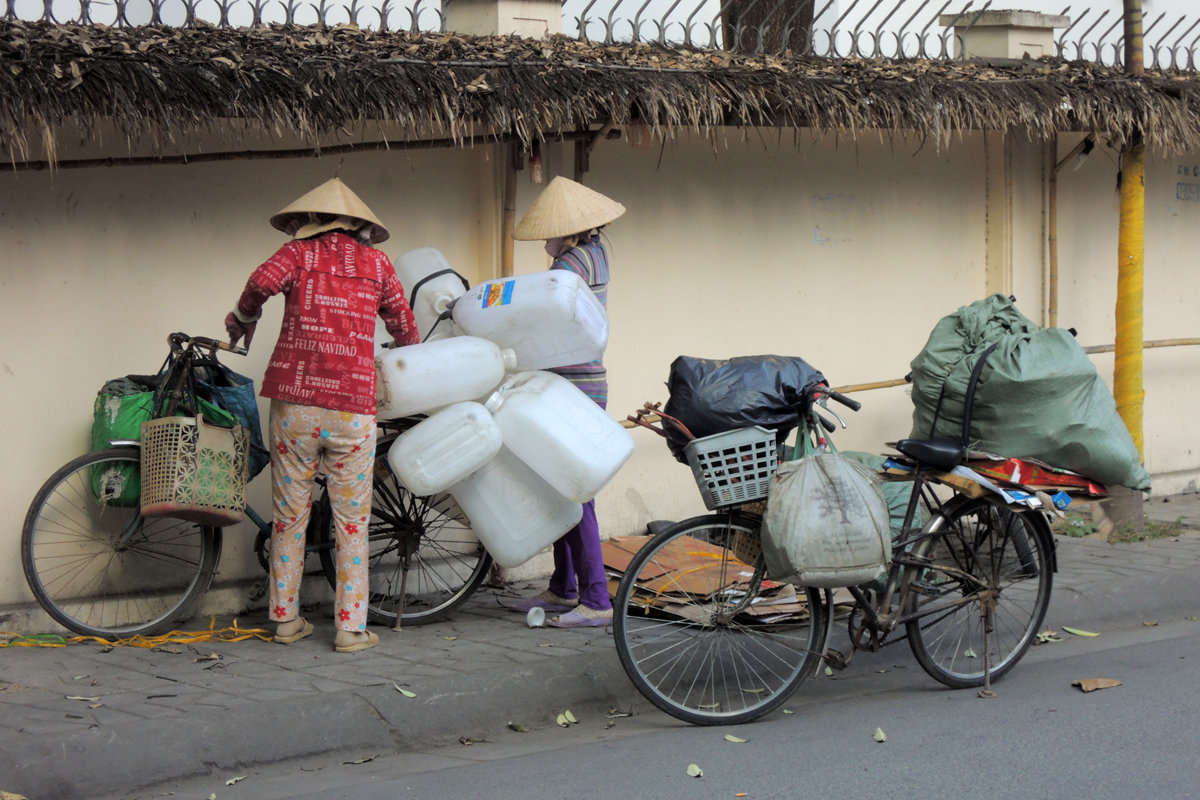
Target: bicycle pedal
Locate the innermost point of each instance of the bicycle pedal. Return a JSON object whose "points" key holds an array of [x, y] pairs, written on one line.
{"points": [[835, 660]]}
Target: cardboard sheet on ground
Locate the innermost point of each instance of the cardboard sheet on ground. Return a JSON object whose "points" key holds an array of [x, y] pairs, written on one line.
{"points": [[687, 572]]}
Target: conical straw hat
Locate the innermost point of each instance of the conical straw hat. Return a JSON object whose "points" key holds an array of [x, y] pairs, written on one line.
{"points": [[565, 207], [331, 197]]}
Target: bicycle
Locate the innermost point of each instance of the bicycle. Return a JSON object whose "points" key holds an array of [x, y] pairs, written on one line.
{"points": [[99, 568], [970, 589]]}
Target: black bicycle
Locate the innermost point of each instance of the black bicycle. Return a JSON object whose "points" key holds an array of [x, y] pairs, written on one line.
{"points": [[705, 634], [100, 568]]}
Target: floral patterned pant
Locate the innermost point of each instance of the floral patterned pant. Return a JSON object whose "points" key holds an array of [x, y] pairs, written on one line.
{"points": [[303, 439]]}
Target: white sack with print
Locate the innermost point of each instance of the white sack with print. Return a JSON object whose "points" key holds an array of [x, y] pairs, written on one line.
{"points": [[827, 523]]}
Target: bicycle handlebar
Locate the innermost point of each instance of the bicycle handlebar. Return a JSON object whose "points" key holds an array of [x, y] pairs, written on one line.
{"points": [[853, 405], [815, 393], [178, 341]]}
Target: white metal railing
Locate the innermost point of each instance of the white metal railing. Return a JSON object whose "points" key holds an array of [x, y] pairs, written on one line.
{"points": [[820, 28]]}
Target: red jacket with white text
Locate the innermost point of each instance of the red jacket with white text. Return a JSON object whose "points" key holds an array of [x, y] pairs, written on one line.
{"points": [[334, 286]]}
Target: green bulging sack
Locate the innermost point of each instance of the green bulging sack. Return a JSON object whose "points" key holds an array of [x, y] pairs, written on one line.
{"points": [[1038, 394]]}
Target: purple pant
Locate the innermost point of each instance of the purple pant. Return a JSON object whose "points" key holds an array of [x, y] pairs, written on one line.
{"points": [[579, 564]]}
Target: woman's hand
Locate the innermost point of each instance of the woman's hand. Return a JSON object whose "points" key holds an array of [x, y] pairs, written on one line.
{"points": [[237, 329]]}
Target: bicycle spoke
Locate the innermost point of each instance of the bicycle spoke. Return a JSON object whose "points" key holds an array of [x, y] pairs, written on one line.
{"points": [[698, 653], [99, 568], [1003, 556]]}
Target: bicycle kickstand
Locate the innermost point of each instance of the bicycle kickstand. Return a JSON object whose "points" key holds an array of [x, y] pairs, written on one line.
{"points": [[988, 607], [403, 592]]}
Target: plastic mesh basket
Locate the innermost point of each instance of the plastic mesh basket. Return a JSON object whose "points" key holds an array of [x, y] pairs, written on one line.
{"points": [[733, 467], [193, 470]]}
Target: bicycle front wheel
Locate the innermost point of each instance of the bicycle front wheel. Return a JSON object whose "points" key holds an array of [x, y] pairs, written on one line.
{"points": [[703, 635], [984, 564], [425, 561], [100, 568]]}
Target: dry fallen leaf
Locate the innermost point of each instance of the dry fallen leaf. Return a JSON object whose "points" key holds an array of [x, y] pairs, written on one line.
{"points": [[694, 771], [570, 717], [232, 781], [363, 760], [562, 721], [729, 737], [1092, 684], [519, 728], [1077, 632], [403, 691], [880, 736], [1048, 636]]}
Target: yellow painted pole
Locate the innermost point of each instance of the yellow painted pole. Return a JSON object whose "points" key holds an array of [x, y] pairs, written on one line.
{"points": [[1127, 368]]}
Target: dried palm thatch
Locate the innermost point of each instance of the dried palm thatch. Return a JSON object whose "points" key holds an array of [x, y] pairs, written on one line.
{"points": [[155, 84]]}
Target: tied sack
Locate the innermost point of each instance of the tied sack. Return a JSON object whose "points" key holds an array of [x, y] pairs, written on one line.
{"points": [[827, 523]]}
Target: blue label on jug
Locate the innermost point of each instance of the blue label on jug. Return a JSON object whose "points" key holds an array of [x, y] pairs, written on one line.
{"points": [[498, 294]]}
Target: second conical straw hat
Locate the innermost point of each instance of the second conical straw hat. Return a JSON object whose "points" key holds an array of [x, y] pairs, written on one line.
{"points": [[331, 197], [565, 207]]}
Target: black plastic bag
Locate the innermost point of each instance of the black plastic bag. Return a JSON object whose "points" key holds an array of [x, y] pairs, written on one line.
{"points": [[716, 395]]}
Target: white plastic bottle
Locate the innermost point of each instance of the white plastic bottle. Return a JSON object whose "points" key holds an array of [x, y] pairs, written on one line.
{"points": [[550, 318], [559, 432], [514, 512], [444, 449], [430, 285], [423, 377]]}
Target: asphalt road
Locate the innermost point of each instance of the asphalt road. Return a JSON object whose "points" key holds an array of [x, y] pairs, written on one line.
{"points": [[1040, 737]]}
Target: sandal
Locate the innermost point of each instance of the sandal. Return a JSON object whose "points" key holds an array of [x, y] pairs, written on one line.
{"points": [[583, 617], [305, 629], [547, 601], [358, 643]]}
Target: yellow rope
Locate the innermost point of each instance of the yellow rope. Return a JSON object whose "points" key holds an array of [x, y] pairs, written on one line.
{"points": [[213, 634]]}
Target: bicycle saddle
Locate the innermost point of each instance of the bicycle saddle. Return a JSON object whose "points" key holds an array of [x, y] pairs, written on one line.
{"points": [[945, 454]]}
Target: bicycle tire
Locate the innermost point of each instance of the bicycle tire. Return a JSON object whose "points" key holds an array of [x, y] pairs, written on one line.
{"points": [[446, 562], [689, 645], [1009, 556], [99, 568]]}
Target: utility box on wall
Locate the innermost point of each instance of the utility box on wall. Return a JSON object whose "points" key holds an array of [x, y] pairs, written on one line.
{"points": [[1004, 34], [531, 18]]}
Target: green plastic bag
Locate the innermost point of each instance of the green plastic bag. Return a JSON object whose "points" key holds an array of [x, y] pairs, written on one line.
{"points": [[1037, 396], [120, 408]]}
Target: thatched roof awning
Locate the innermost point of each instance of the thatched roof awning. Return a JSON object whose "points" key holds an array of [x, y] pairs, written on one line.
{"points": [[157, 83]]}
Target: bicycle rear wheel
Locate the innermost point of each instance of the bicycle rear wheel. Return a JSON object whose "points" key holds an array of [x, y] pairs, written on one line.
{"points": [[100, 568], [422, 550], [703, 635], [979, 555]]}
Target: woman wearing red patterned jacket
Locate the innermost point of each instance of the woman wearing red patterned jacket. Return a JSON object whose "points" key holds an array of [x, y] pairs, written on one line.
{"points": [[321, 381]]}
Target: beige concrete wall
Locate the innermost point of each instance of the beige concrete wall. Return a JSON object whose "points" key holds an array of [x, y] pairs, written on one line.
{"points": [[845, 253]]}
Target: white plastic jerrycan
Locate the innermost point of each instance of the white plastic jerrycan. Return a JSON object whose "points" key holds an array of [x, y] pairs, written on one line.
{"points": [[444, 449], [551, 318], [560, 433], [514, 512], [422, 377], [430, 284]]}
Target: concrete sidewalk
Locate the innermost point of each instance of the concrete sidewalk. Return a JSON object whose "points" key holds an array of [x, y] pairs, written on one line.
{"points": [[84, 721]]}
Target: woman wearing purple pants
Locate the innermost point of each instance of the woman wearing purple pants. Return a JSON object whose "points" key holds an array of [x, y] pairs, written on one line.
{"points": [[569, 217]]}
